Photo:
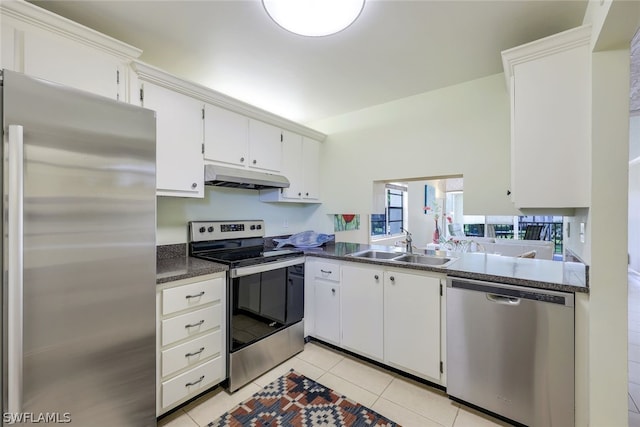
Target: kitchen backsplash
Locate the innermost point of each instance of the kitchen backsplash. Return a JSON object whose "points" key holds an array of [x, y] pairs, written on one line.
{"points": [[230, 204]]}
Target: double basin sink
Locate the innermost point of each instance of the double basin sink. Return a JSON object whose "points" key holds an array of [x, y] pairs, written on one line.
{"points": [[415, 259]]}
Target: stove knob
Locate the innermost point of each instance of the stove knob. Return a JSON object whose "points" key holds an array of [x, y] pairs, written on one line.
{"points": [[202, 229], [253, 227], [210, 229], [259, 227]]}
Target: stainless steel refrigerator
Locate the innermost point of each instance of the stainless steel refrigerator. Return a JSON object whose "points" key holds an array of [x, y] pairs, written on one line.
{"points": [[78, 257]]}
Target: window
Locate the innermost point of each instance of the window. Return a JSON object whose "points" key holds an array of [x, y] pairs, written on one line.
{"points": [[393, 220], [519, 227]]}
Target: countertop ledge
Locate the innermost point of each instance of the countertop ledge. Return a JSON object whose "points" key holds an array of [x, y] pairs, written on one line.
{"points": [[180, 266], [535, 273]]}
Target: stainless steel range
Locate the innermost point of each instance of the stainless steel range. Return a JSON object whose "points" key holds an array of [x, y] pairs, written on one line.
{"points": [[265, 289]]}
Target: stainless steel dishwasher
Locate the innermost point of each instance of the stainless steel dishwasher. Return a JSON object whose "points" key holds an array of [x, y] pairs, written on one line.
{"points": [[510, 350]]}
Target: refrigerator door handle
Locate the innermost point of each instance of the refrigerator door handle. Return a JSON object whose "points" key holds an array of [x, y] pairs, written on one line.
{"points": [[15, 266]]}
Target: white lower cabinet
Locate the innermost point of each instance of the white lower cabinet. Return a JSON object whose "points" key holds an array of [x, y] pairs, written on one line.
{"points": [[362, 308], [327, 311], [191, 383], [191, 338], [390, 315], [412, 330], [322, 293]]}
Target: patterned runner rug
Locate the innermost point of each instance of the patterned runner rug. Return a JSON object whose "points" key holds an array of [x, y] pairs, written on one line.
{"points": [[294, 400]]}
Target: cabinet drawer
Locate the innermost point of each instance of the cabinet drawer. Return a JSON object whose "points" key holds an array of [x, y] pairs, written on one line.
{"points": [[192, 295], [191, 353], [326, 271], [190, 324], [192, 382]]}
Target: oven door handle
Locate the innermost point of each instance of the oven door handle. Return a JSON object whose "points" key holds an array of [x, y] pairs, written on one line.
{"points": [[267, 266]]}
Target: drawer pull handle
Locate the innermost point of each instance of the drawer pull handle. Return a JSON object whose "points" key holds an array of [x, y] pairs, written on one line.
{"points": [[195, 353], [195, 382], [325, 271], [195, 296], [194, 324]]}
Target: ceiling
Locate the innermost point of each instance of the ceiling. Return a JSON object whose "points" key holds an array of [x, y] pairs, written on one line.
{"points": [[395, 49]]}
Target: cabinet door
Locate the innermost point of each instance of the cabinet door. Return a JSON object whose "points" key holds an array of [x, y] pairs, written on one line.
{"points": [[64, 61], [327, 311], [180, 167], [292, 166], [7, 45], [412, 323], [265, 146], [550, 129], [311, 169], [226, 136], [362, 322]]}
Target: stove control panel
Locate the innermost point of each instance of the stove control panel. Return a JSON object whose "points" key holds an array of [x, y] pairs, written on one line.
{"points": [[202, 231]]}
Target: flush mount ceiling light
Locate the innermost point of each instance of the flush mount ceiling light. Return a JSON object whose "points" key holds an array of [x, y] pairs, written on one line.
{"points": [[314, 17]]}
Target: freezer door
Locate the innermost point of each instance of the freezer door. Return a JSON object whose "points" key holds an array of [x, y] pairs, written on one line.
{"points": [[83, 346]]}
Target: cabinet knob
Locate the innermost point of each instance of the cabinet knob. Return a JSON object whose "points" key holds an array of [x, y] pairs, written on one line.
{"points": [[255, 161], [333, 291], [299, 194], [241, 159], [393, 279], [376, 277], [306, 194]]}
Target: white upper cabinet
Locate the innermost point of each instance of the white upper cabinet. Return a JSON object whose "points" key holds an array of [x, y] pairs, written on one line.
{"points": [[233, 139], [311, 169], [63, 61], [226, 136], [179, 162], [301, 165], [265, 146], [42, 44], [292, 167], [550, 89]]}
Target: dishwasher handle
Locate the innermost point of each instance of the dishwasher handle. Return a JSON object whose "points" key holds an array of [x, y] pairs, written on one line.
{"points": [[511, 294], [502, 299]]}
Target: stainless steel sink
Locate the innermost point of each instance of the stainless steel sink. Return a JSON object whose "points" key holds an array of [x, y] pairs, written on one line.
{"points": [[374, 254], [419, 259], [437, 261]]}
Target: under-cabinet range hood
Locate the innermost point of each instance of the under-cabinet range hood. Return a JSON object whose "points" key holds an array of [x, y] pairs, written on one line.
{"points": [[222, 176]]}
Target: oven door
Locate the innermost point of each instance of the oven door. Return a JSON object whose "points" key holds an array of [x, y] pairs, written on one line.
{"points": [[264, 299]]}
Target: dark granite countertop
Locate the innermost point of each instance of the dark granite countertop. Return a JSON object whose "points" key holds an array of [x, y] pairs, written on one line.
{"points": [[174, 264], [535, 273]]}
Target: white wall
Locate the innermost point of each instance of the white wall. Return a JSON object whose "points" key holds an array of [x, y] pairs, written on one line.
{"points": [[422, 226], [634, 215], [607, 341], [571, 234], [231, 204], [459, 130], [634, 190]]}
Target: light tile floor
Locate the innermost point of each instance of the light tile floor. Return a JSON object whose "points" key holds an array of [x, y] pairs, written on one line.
{"points": [[634, 350], [402, 400]]}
